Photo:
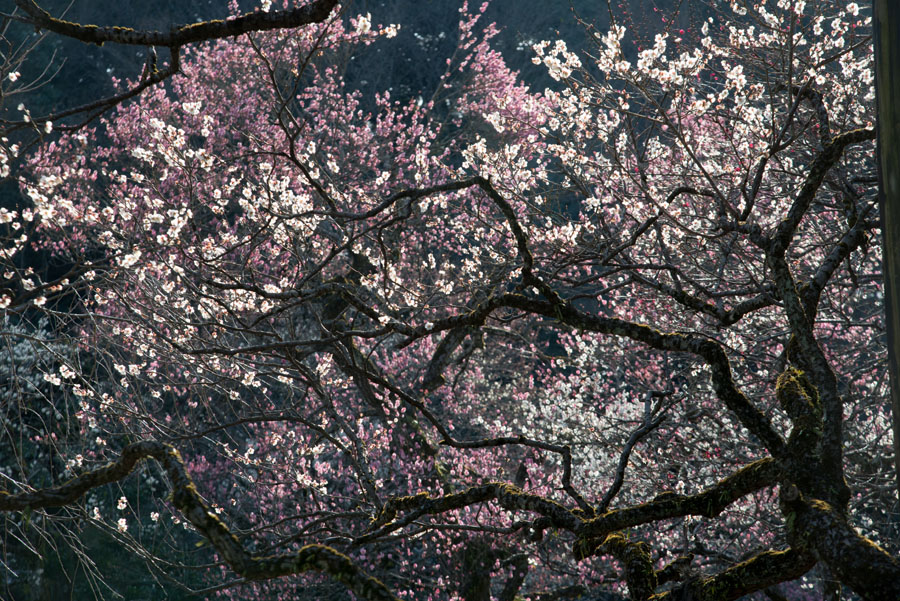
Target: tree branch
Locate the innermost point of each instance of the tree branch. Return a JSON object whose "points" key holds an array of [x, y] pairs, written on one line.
{"points": [[310, 558], [709, 503], [820, 166], [722, 381], [316, 12], [508, 496], [761, 571], [859, 563]]}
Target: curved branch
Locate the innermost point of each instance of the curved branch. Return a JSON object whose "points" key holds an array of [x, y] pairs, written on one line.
{"points": [[723, 383], [755, 574], [315, 12], [709, 503], [565, 451], [820, 166], [508, 496], [96, 108], [649, 425], [859, 563], [311, 558], [412, 195], [564, 312], [849, 242]]}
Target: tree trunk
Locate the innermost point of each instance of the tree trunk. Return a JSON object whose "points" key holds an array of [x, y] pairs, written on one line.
{"points": [[887, 83]]}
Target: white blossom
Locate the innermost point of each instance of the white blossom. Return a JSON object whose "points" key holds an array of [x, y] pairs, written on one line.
{"points": [[364, 24]]}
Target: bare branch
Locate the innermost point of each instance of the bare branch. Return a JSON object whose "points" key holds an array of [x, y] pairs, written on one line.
{"points": [[180, 35]]}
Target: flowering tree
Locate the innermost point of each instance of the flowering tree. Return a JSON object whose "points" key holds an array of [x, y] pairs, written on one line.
{"points": [[26, 129], [622, 333]]}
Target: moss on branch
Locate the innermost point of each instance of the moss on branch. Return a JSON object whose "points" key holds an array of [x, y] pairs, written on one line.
{"points": [[800, 401], [757, 573], [709, 503], [507, 496], [184, 496], [856, 561]]}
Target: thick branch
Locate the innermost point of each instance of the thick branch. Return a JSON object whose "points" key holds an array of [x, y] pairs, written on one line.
{"points": [[564, 312], [511, 588], [723, 383], [812, 359], [311, 558], [635, 556], [757, 573], [508, 496], [315, 12], [820, 166], [709, 503], [859, 563]]}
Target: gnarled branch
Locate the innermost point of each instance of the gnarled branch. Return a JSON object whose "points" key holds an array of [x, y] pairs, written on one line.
{"points": [[310, 558]]}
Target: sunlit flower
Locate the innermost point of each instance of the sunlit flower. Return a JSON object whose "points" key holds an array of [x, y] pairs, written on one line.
{"points": [[364, 24]]}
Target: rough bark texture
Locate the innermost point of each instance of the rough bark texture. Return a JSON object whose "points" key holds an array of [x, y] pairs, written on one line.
{"points": [[856, 561], [709, 503], [760, 571], [310, 558]]}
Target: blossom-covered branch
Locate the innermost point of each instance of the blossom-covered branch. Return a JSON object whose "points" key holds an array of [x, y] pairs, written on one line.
{"points": [[185, 498]]}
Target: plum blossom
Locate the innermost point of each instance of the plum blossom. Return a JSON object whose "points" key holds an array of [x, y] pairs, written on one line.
{"points": [[192, 108], [364, 24]]}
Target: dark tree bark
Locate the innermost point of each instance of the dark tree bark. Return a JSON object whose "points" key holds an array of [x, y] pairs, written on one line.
{"points": [[887, 85]]}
